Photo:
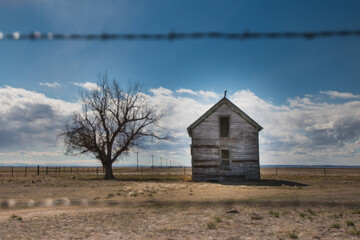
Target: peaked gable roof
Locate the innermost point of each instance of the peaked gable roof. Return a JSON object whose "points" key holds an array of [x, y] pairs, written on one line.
{"points": [[216, 107]]}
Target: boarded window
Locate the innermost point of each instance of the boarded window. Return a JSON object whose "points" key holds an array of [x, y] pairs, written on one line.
{"points": [[225, 159], [224, 126]]}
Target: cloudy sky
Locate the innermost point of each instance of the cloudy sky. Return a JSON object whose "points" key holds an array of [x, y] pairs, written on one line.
{"points": [[305, 93]]}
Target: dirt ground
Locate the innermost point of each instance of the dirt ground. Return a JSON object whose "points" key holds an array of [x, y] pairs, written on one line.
{"points": [[87, 207]]}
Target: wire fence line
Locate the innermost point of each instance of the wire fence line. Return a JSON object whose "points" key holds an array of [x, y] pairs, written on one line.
{"points": [[310, 171], [81, 170], [172, 35], [176, 169]]}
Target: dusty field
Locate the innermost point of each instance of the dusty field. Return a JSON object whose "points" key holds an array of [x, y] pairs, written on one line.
{"points": [[170, 207]]}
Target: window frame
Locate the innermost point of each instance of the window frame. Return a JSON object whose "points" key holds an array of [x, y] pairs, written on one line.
{"points": [[228, 117], [221, 159]]}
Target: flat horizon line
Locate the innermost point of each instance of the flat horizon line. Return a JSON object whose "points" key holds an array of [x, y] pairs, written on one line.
{"points": [[158, 166]]}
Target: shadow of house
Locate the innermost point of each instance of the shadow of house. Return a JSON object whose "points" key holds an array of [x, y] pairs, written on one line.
{"points": [[265, 182]]}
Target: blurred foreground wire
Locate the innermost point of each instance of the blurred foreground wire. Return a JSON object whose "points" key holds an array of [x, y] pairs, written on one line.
{"points": [[177, 36]]}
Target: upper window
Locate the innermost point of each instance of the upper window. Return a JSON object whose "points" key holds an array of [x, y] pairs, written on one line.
{"points": [[224, 126]]}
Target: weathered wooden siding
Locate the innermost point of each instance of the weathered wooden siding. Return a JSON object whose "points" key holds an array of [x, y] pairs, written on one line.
{"points": [[242, 143]]}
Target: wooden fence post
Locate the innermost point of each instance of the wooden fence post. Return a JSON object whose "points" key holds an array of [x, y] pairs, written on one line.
{"points": [[325, 171], [38, 170], [97, 170], [25, 170]]}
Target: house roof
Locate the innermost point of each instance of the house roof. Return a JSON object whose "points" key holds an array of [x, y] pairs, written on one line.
{"points": [[217, 106]]}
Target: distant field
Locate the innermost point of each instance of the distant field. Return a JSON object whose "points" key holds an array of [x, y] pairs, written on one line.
{"points": [[165, 204]]}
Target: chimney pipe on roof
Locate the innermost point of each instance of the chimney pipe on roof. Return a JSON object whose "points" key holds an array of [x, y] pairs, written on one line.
{"points": [[225, 93]]}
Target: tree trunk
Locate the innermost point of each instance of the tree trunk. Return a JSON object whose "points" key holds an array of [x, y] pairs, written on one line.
{"points": [[108, 171]]}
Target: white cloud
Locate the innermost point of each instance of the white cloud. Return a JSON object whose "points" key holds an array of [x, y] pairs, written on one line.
{"points": [[336, 94], [87, 85], [209, 94], [204, 94], [325, 131], [303, 125], [304, 130], [20, 97], [29, 119], [161, 91], [51, 85], [188, 91]]}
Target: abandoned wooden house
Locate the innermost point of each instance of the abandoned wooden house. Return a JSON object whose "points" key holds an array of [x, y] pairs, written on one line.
{"points": [[224, 144]]}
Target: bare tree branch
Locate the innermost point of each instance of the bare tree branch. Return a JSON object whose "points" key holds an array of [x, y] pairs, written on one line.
{"points": [[111, 123]]}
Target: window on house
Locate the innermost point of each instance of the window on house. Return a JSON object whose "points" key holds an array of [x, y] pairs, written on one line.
{"points": [[225, 159], [224, 126]]}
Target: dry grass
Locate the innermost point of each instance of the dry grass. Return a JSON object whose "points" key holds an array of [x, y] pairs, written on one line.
{"points": [[161, 207]]}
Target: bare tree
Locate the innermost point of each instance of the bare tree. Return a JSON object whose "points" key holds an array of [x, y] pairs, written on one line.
{"points": [[111, 123]]}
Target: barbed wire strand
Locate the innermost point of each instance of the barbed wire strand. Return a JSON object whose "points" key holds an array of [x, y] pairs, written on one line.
{"points": [[178, 35]]}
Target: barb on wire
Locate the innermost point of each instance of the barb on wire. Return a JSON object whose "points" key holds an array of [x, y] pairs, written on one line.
{"points": [[177, 36]]}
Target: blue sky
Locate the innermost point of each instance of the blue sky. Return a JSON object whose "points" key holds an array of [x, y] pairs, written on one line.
{"points": [[315, 76]]}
